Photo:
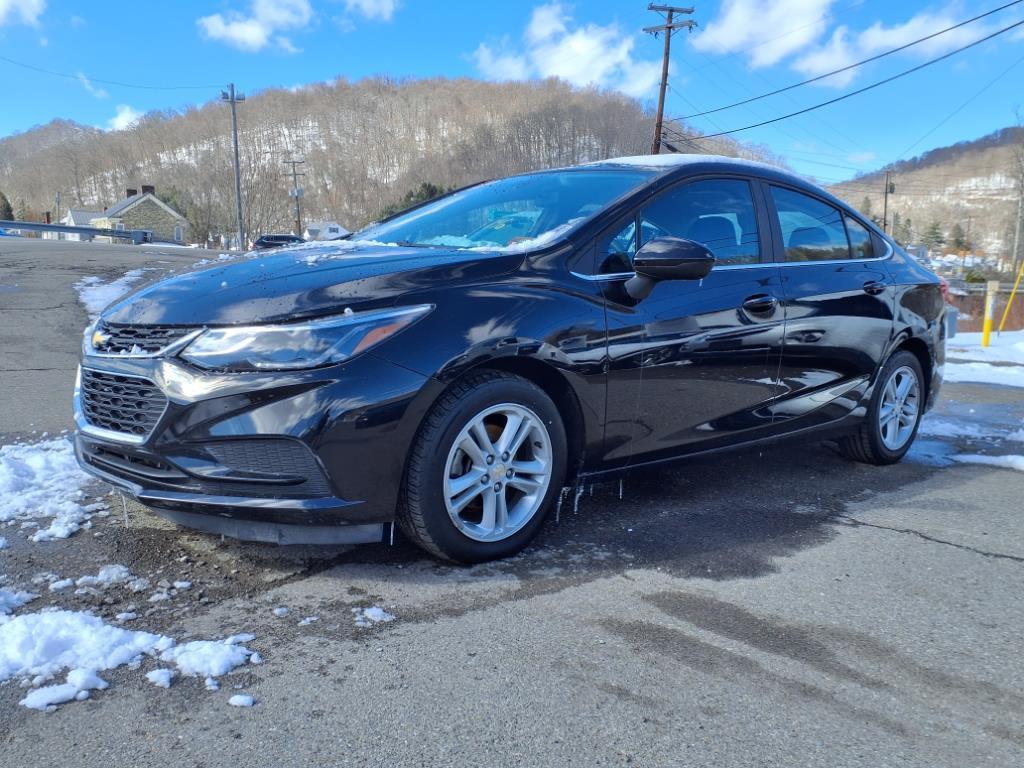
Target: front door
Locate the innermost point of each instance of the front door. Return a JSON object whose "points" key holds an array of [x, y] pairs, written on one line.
{"points": [[694, 364], [839, 304]]}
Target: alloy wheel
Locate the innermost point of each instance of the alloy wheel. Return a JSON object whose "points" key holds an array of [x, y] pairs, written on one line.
{"points": [[900, 407], [498, 472]]}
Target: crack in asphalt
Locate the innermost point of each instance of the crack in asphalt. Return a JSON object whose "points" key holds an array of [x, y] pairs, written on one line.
{"points": [[998, 555]]}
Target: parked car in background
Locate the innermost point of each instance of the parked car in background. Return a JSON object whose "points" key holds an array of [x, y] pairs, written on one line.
{"points": [[275, 241], [450, 375]]}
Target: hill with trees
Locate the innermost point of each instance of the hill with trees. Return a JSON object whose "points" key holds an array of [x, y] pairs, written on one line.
{"points": [[963, 197], [368, 145]]}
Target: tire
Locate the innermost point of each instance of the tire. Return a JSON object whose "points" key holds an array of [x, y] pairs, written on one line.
{"points": [[464, 502], [874, 443]]}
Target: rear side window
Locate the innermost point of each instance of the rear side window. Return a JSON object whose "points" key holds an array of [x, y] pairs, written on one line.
{"points": [[861, 245], [811, 230]]}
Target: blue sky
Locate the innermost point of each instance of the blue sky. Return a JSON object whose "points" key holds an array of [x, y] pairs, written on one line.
{"points": [[741, 48]]}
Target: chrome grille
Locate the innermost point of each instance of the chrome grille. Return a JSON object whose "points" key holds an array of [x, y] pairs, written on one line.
{"points": [[136, 339], [128, 404]]}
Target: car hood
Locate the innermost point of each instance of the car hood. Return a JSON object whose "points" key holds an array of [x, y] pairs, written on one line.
{"points": [[305, 281]]}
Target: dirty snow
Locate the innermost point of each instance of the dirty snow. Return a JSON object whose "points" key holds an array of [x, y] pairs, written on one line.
{"points": [[42, 480], [3, 543], [367, 617], [57, 586], [108, 575], [96, 295], [939, 427]]}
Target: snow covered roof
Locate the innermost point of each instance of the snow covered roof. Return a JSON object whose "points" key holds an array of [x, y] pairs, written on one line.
{"points": [[680, 159]]}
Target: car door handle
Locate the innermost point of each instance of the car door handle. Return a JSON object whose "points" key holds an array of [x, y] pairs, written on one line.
{"points": [[874, 287], [762, 303]]}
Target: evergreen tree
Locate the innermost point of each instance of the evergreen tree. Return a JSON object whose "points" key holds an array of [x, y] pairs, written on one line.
{"points": [[6, 211], [933, 236], [865, 207], [958, 239]]}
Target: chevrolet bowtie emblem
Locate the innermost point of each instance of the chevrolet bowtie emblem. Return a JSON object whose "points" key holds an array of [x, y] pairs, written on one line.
{"points": [[99, 339]]}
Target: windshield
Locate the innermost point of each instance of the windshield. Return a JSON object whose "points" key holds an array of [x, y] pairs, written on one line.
{"points": [[519, 213]]}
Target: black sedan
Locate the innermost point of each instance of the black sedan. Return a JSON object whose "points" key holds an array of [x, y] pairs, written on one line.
{"points": [[453, 368]]}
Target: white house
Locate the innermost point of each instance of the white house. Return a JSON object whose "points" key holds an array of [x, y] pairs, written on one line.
{"points": [[75, 217], [324, 230]]}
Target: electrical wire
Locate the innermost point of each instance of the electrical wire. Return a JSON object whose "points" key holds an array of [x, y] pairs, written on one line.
{"points": [[869, 87], [80, 76], [848, 67]]}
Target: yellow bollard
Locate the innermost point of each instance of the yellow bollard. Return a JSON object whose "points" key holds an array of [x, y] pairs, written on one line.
{"points": [[1009, 301], [991, 290]]}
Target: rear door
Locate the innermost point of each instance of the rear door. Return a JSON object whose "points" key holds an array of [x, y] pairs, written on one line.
{"points": [[693, 364], [838, 301]]}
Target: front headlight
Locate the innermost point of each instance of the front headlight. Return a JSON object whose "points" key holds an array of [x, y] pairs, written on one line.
{"points": [[293, 346]]}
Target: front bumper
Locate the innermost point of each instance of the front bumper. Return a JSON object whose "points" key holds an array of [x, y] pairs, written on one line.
{"points": [[259, 456]]}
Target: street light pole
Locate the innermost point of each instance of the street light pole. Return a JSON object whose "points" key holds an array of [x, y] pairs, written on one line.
{"points": [[233, 98]]}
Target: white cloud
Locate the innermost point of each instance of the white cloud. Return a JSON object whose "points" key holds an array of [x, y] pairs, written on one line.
{"points": [[21, 11], [96, 91], [766, 31], [260, 27], [585, 55], [845, 48], [381, 10], [125, 117]]}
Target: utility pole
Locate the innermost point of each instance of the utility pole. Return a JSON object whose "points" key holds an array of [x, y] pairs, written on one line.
{"points": [[296, 192], [233, 99], [889, 189], [670, 26]]}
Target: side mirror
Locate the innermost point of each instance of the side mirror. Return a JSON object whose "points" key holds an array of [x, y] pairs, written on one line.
{"points": [[667, 258]]}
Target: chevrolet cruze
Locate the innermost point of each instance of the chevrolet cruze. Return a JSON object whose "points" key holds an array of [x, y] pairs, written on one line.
{"points": [[451, 369]]}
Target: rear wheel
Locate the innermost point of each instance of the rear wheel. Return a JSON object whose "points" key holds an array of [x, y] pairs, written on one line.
{"points": [[484, 470], [894, 414]]}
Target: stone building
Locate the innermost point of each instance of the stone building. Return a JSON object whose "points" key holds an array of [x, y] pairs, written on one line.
{"points": [[143, 210]]}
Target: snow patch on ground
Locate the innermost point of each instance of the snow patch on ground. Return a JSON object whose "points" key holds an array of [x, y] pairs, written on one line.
{"points": [[3, 543], [208, 658], [241, 700], [36, 647], [939, 427], [308, 620], [1007, 462], [96, 295], [43, 480], [985, 373], [10, 601], [1006, 347], [367, 617]]}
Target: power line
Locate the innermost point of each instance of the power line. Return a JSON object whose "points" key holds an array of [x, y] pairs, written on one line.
{"points": [[852, 66], [963, 106], [79, 76], [869, 87]]}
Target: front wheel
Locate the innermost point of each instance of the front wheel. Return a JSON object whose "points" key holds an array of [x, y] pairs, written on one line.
{"points": [[894, 413], [484, 470]]}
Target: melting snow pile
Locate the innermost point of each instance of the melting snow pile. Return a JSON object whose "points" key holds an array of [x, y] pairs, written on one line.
{"points": [[42, 480], [367, 617], [96, 295], [37, 647], [1007, 462]]}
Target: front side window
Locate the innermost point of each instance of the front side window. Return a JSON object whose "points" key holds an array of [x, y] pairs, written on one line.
{"points": [[811, 230], [517, 213], [717, 213]]}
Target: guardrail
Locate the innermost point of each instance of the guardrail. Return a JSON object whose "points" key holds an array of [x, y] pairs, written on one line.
{"points": [[137, 236]]}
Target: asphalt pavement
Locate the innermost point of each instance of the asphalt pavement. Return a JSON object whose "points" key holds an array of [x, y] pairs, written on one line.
{"points": [[782, 607]]}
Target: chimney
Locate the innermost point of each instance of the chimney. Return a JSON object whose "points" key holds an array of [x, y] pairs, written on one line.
{"points": [[131, 192], [148, 189], [47, 214]]}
